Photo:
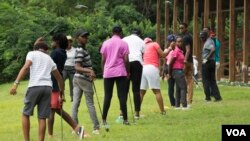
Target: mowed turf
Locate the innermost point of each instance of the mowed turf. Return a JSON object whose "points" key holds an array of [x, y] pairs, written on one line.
{"points": [[201, 123]]}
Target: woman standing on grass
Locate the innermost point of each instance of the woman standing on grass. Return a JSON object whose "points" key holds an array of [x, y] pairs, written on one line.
{"points": [[171, 81], [150, 74], [175, 70], [115, 66]]}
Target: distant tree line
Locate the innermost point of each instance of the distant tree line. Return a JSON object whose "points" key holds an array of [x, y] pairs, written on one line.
{"points": [[23, 21]]}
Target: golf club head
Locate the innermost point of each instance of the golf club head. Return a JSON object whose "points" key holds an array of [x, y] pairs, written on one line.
{"points": [[106, 128], [80, 6]]}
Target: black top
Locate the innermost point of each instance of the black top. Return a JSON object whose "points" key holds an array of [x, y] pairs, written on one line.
{"points": [[59, 56], [188, 40]]}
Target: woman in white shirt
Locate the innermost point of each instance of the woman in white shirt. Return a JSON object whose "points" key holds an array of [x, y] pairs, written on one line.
{"points": [[69, 67]]}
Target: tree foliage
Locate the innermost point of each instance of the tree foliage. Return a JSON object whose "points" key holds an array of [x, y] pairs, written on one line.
{"points": [[23, 21]]}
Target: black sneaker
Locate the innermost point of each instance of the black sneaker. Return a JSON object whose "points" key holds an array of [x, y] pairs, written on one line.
{"points": [[218, 100], [80, 132]]}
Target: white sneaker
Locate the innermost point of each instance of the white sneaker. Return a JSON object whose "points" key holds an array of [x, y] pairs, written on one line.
{"points": [[177, 108], [119, 119], [137, 117], [80, 132], [185, 108], [96, 131]]}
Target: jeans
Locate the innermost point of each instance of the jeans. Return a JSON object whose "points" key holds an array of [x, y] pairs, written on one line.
{"points": [[171, 82], [80, 86], [181, 88], [209, 82], [69, 73]]}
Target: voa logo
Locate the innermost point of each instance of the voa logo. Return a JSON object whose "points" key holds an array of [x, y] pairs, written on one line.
{"points": [[236, 132]]}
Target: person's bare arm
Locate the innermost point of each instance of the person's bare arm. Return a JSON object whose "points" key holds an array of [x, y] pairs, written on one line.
{"points": [[20, 76], [163, 53], [103, 62], [187, 53]]}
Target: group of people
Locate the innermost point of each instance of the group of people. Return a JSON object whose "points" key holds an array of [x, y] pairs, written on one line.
{"points": [[124, 60]]}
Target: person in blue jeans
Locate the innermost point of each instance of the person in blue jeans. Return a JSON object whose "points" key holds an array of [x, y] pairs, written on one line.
{"points": [[176, 66], [171, 81]]}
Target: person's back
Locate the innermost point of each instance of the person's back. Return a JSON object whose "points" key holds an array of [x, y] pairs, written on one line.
{"points": [[136, 47], [208, 45], [40, 70], [114, 50], [150, 56], [115, 66]]}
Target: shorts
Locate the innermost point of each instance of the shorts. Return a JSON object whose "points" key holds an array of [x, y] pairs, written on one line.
{"points": [[40, 96], [150, 78], [55, 100]]}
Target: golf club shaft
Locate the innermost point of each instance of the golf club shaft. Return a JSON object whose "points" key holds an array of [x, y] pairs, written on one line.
{"points": [[105, 126], [131, 106], [97, 98], [61, 111], [61, 123], [51, 30], [196, 82]]}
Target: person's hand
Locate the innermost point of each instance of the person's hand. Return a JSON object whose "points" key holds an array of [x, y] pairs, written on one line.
{"points": [[172, 45], [13, 89], [62, 98], [204, 61], [168, 76], [162, 76], [92, 75], [128, 76]]}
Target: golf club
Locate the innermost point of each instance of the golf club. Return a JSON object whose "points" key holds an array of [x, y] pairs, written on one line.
{"points": [[131, 107], [105, 124], [50, 31], [61, 119], [196, 82]]}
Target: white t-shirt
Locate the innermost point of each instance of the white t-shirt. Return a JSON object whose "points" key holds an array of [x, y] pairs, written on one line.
{"points": [[136, 47], [40, 69], [70, 57]]}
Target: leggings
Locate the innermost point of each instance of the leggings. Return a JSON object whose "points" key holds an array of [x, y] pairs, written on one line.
{"points": [[122, 95]]}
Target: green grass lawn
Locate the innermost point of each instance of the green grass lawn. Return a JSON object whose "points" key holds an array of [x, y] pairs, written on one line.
{"points": [[201, 123]]}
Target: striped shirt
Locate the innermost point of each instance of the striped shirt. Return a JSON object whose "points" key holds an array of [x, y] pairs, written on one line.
{"points": [[83, 57]]}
